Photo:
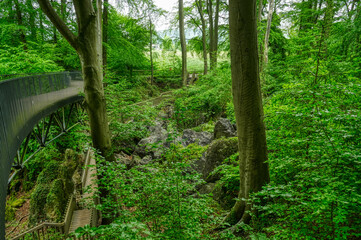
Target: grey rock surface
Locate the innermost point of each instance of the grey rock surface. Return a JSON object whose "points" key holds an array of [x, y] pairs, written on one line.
{"points": [[224, 128], [202, 138]]}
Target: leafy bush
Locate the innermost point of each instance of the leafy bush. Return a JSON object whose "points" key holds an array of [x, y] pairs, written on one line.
{"points": [[314, 140], [206, 100], [14, 60], [157, 200]]}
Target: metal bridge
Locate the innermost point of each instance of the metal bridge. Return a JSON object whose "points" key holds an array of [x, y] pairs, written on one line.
{"points": [[24, 102]]}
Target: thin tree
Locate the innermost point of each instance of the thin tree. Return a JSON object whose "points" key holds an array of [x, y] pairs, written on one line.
{"points": [[105, 34], [19, 18], [260, 9], [183, 42], [213, 32], [151, 50], [248, 107], [268, 30], [199, 5], [88, 45]]}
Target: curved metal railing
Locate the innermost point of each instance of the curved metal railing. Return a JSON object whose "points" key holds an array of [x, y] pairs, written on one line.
{"points": [[23, 103]]}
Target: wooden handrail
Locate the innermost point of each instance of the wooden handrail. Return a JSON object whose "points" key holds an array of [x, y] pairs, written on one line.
{"points": [[64, 226]]}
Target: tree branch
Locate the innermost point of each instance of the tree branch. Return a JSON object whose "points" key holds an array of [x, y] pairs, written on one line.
{"points": [[58, 22]]}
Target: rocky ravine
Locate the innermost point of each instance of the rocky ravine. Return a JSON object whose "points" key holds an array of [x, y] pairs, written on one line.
{"points": [[221, 144]]}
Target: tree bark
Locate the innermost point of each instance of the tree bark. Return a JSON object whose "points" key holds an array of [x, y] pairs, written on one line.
{"points": [[105, 35], [88, 45], [213, 32], [151, 50], [211, 35], [215, 35], [268, 30], [32, 16], [204, 37], [183, 43], [248, 108], [55, 38], [63, 10], [19, 18], [41, 26], [260, 8], [306, 17]]}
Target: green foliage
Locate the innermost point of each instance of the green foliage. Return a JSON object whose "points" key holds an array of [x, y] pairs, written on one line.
{"points": [[129, 121], [49, 173], [313, 140], [229, 174], [39, 162], [53, 187], [157, 200], [127, 41], [55, 201], [38, 198], [15, 60], [206, 100], [12, 204]]}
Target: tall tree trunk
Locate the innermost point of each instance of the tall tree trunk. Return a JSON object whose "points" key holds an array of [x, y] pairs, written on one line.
{"points": [[329, 14], [260, 8], [41, 17], [88, 45], [268, 30], [215, 35], [55, 37], [151, 50], [105, 35], [32, 16], [211, 30], [305, 16], [63, 10], [19, 18], [204, 37], [183, 43], [248, 108]]}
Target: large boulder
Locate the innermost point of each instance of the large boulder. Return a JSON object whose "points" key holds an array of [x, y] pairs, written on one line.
{"points": [[191, 136], [152, 144], [217, 151], [224, 128]]}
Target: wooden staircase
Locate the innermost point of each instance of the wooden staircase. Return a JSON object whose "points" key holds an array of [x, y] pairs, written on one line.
{"points": [[78, 214]]}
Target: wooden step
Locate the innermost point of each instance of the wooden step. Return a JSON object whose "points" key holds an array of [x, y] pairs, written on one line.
{"points": [[80, 219]]}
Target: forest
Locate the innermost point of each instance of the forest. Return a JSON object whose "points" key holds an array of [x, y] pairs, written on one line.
{"points": [[241, 120]]}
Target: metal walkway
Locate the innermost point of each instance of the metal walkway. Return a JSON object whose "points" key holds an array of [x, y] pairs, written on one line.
{"points": [[23, 103]]}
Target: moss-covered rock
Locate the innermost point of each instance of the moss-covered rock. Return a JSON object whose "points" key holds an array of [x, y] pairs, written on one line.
{"points": [[217, 151], [49, 173], [53, 188], [37, 202], [55, 201], [66, 171]]}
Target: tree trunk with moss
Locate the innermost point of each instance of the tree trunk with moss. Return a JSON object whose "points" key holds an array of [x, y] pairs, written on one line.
{"points": [[105, 35], [88, 45], [204, 35], [268, 31], [183, 42], [254, 172]]}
